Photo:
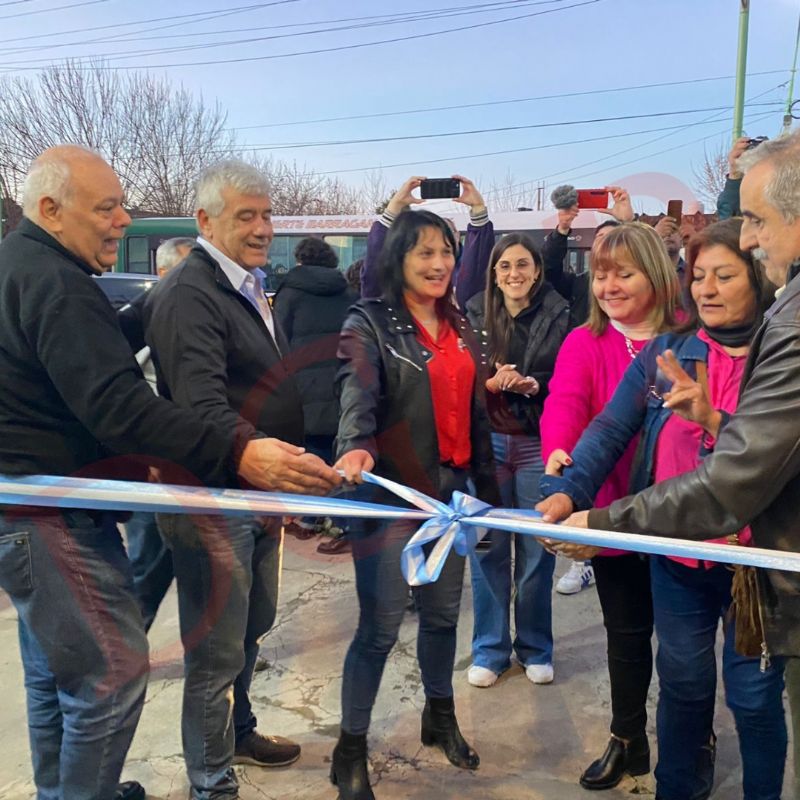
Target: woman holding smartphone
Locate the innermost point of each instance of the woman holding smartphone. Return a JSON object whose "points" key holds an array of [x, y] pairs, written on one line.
{"points": [[412, 410]]}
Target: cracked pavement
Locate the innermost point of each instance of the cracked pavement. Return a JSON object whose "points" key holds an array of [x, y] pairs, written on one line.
{"points": [[533, 740]]}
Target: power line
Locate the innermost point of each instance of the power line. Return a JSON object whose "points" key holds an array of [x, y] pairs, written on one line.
{"points": [[208, 15], [713, 118], [339, 48], [500, 102], [396, 19], [721, 132], [56, 8], [377, 18], [515, 150], [502, 129]]}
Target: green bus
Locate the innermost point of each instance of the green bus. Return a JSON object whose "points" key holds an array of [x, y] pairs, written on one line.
{"points": [[346, 234]]}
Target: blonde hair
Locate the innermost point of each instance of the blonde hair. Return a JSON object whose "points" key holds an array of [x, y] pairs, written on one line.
{"points": [[640, 244]]}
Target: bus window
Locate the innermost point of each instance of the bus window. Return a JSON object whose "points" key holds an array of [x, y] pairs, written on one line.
{"points": [[138, 255], [281, 258], [348, 248]]}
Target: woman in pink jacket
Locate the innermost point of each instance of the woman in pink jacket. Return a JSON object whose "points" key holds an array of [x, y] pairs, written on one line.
{"points": [[634, 295]]}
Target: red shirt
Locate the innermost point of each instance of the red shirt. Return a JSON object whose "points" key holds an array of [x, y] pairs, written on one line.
{"points": [[451, 372]]}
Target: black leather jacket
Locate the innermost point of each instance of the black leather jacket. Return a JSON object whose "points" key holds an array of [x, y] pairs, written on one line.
{"points": [[548, 323], [386, 405], [753, 475]]}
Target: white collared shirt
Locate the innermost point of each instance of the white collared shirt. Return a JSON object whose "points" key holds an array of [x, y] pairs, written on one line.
{"points": [[249, 283]]}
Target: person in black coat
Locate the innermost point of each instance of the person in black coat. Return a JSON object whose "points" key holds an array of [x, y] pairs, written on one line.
{"points": [[310, 306], [218, 350]]}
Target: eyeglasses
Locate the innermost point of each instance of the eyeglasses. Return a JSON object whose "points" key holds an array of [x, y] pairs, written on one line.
{"points": [[504, 267]]}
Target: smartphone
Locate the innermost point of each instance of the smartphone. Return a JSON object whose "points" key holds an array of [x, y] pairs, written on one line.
{"points": [[436, 188], [751, 143], [675, 209], [592, 198]]}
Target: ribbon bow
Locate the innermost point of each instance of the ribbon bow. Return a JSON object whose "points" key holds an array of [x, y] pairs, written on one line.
{"points": [[459, 525]]}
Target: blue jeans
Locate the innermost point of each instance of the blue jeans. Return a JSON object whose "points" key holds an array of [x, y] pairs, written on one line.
{"points": [[519, 467], [84, 651], [688, 604], [382, 598], [151, 562], [227, 569]]}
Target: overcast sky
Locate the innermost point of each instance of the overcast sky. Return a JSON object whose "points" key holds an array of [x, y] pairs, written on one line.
{"points": [[510, 51]]}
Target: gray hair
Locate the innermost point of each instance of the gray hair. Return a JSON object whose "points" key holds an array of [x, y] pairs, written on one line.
{"points": [[231, 173], [49, 176], [783, 188], [168, 254]]}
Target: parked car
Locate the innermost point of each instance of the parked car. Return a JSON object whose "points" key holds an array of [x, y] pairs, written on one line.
{"points": [[122, 287]]}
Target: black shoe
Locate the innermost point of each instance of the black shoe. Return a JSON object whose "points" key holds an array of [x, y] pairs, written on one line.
{"points": [[129, 790], [619, 758], [334, 545], [349, 767], [440, 727], [266, 751], [261, 664]]}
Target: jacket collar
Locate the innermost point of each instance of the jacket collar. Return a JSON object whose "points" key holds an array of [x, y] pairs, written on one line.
{"points": [[789, 293], [31, 230]]}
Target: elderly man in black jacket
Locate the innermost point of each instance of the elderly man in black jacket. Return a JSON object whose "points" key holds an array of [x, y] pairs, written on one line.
{"points": [[753, 475], [218, 350], [73, 402]]}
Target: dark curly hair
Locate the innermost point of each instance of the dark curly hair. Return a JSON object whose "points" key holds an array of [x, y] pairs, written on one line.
{"points": [[317, 252]]}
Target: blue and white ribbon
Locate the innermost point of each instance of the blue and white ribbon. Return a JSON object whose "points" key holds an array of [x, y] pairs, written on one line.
{"points": [[458, 526]]}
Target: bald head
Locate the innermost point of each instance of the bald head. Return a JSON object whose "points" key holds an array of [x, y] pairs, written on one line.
{"points": [[75, 196]]}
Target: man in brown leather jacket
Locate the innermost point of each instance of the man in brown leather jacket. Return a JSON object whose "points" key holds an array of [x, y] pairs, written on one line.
{"points": [[753, 475]]}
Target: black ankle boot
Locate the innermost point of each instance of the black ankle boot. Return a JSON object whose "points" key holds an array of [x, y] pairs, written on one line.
{"points": [[619, 758], [349, 767], [440, 727]]}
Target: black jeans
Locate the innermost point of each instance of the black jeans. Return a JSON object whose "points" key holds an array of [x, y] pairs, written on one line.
{"points": [[382, 598], [623, 586]]}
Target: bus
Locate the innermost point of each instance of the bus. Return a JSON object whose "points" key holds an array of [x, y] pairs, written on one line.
{"points": [[346, 234]]}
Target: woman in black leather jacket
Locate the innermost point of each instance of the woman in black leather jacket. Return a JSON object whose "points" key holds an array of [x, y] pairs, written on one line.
{"points": [[411, 389]]}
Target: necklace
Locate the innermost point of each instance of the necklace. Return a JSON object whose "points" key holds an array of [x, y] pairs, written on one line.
{"points": [[651, 390]]}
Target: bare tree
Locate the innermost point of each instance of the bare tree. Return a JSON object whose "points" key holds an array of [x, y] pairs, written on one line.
{"points": [[375, 194], [157, 138], [710, 175], [507, 194], [298, 190]]}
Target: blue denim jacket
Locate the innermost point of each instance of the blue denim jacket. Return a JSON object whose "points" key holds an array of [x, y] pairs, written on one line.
{"points": [[636, 405]]}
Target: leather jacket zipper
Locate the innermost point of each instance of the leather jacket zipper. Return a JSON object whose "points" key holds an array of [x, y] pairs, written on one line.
{"points": [[402, 358], [766, 659]]}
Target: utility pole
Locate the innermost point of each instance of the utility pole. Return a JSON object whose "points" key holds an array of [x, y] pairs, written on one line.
{"points": [[787, 117], [741, 68]]}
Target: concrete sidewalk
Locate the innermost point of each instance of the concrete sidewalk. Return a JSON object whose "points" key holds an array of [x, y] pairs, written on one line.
{"points": [[533, 740]]}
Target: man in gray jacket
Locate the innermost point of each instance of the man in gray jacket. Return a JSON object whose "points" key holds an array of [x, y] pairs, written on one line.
{"points": [[753, 475]]}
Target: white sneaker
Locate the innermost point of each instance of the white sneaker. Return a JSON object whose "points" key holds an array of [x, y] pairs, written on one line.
{"points": [[539, 673], [577, 577], [481, 676]]}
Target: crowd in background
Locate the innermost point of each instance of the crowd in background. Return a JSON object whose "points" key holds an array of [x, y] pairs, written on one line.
{"points": [[482, 366]]}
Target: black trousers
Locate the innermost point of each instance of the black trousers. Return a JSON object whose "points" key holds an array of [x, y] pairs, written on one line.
{"points": [[623, 587]]}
